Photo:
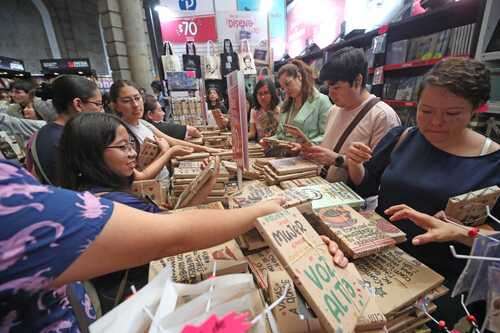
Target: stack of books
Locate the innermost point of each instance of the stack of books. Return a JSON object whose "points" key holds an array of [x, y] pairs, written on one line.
{"points": [[289, 168], [188, 178], [398, 282]]}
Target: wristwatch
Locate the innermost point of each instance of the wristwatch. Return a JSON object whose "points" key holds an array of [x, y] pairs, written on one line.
{"points": [[339, 161]]}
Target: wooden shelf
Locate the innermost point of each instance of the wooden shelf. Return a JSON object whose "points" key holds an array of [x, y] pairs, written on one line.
{"points": [[396, 103]]}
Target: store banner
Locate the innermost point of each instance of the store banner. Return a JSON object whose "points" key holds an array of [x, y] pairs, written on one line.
{"points": [[189, 7], [318, 23], [242, 25], [198, 29]]}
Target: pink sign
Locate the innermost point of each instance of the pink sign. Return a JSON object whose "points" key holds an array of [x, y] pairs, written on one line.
{"points": [[197, 29]]}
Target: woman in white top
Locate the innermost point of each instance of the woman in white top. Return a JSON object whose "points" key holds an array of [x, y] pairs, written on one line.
{"points": [[128, 103]]}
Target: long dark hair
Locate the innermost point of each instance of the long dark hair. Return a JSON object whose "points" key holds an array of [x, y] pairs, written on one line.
{"points": [[81, 149], [150, 102], [68, 87], [292, 69], [272, 90]]}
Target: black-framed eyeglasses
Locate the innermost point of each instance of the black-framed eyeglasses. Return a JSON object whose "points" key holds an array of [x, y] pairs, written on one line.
{"points": [[126, 147]]}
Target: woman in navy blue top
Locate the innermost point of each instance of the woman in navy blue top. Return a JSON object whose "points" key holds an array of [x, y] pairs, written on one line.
{"points": [[423, 167]]}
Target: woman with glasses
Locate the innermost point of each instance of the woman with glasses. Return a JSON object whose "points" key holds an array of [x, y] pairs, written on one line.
{"points": [[304, 107], [264, 117], [71, 94], [104, 165], [127, 101], [422, 167]]}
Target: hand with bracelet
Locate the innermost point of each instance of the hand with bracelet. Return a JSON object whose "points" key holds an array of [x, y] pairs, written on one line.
{"points": [[323, 156], [437, 228]]}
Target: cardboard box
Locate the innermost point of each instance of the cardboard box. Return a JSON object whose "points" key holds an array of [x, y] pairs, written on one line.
{"points": [[287, 312], [397, 278], [355, 235], [470, 208], [195, 266], [336, 297], [384, 226], [261, 263]]}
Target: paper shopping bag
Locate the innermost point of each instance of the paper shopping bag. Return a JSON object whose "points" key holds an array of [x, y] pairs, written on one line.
{"points": [[130, 316]]}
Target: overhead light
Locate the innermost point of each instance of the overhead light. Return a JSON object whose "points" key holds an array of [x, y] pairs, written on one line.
{"points": [[164, 11], [81, 73], [266, 6], [56, 73]]}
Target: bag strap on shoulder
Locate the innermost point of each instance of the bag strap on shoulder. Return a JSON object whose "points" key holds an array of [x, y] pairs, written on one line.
{"points": [[34, 154], [368, 106], [81, 318]]}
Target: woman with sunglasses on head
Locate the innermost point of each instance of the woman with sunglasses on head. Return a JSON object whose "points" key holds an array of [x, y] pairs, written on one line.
{"points": [[304, 107], [264, 117], [104, 165], [423, 166]]}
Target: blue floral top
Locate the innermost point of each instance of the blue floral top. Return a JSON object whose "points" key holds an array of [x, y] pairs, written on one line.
{"points": [[43, 230]]}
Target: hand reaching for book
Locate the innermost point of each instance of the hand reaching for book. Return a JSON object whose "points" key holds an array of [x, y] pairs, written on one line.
{"points": [[358, 153], [212, 150], [337, 255], [320, 155], [192, 132], [437, 230], [163, 144], [180, 151]]}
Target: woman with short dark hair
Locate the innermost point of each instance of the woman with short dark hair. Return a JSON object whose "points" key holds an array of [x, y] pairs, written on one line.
{"points": [[422, 167], [71, 94], [264, 116]]}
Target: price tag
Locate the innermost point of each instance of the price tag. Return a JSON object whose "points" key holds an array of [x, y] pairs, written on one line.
{"points": [[193, 28]]}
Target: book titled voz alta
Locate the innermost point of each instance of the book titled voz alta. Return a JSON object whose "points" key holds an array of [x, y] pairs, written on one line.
{"points": [[335, 295]]}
